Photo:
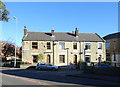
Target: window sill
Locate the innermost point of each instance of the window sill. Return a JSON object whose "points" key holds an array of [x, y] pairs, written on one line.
{"points": [[88, 50], [75, 49], [61, 62], [34, 49]]}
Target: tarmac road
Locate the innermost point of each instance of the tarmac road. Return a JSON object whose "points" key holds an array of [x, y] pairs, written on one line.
{"points": [[49, 78]]}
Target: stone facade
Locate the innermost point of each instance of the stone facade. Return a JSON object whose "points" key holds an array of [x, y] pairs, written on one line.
{"points": [[69, 53], [63, 53]]}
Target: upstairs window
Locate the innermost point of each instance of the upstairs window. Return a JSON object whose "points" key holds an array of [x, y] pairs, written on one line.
{"points": [[87, 46], [48, 45], [107, 45], [34, 45], [62, 45], [74, 45], [99, 45]]}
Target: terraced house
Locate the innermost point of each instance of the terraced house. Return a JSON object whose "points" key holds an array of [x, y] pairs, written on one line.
{"points": [[62, 48]]}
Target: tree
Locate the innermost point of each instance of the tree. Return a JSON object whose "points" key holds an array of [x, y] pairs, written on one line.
{"points": [[8, 50], [40, 57], [3, 12]]}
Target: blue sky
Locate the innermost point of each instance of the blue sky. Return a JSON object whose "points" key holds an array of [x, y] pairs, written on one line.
{"points": [[89, 17]]}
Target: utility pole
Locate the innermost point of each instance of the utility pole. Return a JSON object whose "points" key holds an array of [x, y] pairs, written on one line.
{"points": [[53, 52]]}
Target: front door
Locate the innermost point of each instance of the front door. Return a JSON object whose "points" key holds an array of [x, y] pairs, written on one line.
{"points": [[48, 59], [75, 59], [99, 58]]}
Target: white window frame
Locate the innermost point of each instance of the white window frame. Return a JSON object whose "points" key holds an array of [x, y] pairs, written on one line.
{"points": [[100, 46], [85, 45], [60, 45]]}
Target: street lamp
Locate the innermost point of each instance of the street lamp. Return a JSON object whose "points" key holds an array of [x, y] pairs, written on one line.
{"points": [[15, 41], [53, 44]]}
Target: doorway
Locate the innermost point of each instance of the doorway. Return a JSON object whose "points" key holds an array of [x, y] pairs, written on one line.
{"points": [[48, 59], [75, 59]]}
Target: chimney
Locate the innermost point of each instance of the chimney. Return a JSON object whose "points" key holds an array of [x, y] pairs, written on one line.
{"points": [[76, 32], [25, 30], [52, 32]]}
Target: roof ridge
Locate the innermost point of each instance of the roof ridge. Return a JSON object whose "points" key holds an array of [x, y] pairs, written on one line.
{"points": [[58, 32], [48, 32]]}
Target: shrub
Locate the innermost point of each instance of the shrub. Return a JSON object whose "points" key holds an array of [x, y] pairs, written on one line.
{"points": [[21, 62], [80, 61]]}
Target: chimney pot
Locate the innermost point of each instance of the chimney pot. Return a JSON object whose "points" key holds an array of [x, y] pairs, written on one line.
{"points": [[52, 32], [25, 30], [76, 32]]}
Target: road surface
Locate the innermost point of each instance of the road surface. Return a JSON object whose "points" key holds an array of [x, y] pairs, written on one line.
{"points": [[49, 78]]}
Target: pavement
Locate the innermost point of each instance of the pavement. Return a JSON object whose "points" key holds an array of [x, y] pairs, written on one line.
{"points": [[77, 74]]}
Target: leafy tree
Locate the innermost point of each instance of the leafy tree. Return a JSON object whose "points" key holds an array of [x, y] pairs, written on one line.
{"points": [[8, 50], [3, 12], [40, 57]]}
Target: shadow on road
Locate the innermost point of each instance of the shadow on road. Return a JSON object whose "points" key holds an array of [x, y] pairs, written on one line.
{"points": [[46, 76]]}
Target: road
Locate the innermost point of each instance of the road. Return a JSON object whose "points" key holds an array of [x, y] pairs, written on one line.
{"points": [[49, 78]]}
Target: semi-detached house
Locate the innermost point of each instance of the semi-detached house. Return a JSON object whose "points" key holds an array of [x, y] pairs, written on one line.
{"points": [[62, 48]]}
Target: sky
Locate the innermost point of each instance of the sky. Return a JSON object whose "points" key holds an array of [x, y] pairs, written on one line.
{"points": [[88, 17], [60, 0]]}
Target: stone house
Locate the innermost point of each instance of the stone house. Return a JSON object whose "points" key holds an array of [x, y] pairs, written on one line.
{"points": [[62, 48], [113, 48]]}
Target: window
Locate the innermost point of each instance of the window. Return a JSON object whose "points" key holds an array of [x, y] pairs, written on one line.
{"points": [[35, 58], [34, 45], [107, 45], [99, 45], [48, 45], [87, 46], [87, 58], [74, 45], [62, 58], [62, 45]]}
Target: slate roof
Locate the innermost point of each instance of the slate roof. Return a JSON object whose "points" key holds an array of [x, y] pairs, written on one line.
{"points": [[61, 36], [112, 36]]}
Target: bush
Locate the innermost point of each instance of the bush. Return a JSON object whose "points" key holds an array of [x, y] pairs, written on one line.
{"points": [[108, 62], [21, 62], [80, 61]]}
